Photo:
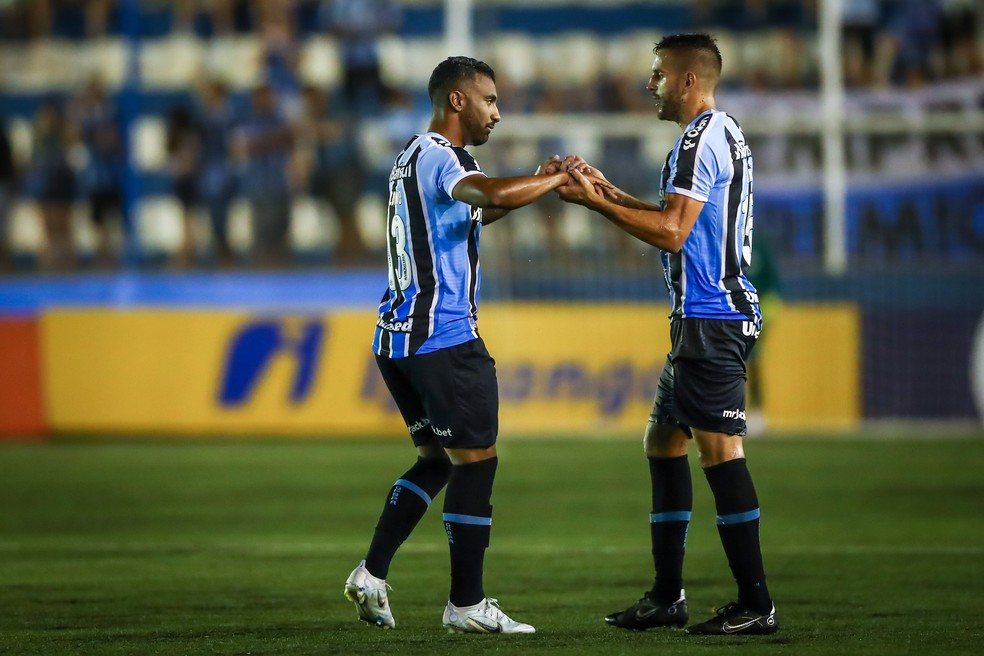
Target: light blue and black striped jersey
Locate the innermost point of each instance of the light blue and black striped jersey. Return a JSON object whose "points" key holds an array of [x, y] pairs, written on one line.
{"points": [[431, 252], [710, 162]]}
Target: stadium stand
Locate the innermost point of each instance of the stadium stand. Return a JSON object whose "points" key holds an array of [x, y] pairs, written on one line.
{"points": [[555, 58]]}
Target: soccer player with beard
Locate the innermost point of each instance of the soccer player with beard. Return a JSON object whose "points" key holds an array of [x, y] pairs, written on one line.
{"points": [[703, 226], [428, 348]]}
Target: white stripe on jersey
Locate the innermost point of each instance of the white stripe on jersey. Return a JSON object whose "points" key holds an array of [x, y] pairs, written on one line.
{"points": [[430, 245], [683, 284], [413, 256], [726, 203]]}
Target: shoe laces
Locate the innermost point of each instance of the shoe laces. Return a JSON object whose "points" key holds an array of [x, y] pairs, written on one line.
{"points": [[492, 606], [728, 608], [374, 584], [373, 581]]}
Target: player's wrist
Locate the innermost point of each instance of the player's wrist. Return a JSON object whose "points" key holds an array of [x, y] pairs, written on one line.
{"points": [[558, 179]]}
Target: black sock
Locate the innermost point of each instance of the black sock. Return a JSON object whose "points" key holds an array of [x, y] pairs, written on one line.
{"points": [[738, 524], [673, 500], [468, 522], [407, 502]]}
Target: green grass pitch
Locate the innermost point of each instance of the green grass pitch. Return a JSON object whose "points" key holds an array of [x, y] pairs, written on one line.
{"points": [[872, 546]]}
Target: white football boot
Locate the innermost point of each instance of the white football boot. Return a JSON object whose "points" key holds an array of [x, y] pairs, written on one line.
{"points": [[369, 596], [483, 617]]}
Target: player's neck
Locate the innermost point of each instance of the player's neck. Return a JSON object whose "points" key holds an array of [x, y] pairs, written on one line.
{"points": [[450, 130], [704, 104]]}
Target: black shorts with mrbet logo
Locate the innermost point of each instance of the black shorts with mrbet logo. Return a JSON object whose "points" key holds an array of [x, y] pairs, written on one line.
{"points": [[448, 397], [703, 381]]}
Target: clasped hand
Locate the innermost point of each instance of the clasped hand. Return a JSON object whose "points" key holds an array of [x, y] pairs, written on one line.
{"points": [[587, 185]]}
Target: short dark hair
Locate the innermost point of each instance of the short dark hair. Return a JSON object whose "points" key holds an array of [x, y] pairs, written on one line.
{"points": [[451, 71], [698, 43]]}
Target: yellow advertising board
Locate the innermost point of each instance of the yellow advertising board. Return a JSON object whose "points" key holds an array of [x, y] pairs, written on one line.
{"points": [[562, 369], [577, 368], [209, 372], [810, 364]]}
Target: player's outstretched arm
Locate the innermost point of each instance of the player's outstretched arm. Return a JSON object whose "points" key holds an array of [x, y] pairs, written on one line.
{"points": [[629, 201], [667, 229], [550, 166], [506, 193]]}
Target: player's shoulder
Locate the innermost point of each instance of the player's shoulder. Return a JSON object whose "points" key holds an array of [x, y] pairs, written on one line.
{"points": [[713, 121], [438, 140], [697, 131], [433, 151], [434, 145], [729, 123], [437, 148], [712, 130]]}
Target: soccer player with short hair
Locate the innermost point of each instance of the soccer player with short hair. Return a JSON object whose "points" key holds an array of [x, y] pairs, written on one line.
{"points": [[703, 226], [428, 348]]}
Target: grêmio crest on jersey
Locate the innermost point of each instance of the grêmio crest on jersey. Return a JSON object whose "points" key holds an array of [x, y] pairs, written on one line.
{"points": [[432, 243]]}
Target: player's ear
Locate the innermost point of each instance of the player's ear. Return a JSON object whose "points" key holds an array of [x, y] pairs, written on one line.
{"points": [[457, 100]]}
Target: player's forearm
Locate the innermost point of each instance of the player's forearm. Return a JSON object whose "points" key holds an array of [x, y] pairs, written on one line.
{"points": [[628, 201], [649, 225], [507, 193]]}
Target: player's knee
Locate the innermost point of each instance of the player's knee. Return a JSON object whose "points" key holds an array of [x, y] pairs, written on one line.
{"points": [[466, 456], [438, 467], [648, 439], [664, 440], [432, 452], [718, 448]]}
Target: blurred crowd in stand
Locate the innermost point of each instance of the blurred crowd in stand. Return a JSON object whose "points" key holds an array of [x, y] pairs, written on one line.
{"points": [[287, 138]]}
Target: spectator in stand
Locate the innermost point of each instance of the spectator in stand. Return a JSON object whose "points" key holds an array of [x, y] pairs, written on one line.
{"points": [[358, 25], [184, 148], [915, 30], [217, 182], [277, 21], [859, 25], [51, 180], [330, 164], [958, 34], [14, 23], [8, 183], [263, 146], [222, 13], [41, 15], [102, 175]]}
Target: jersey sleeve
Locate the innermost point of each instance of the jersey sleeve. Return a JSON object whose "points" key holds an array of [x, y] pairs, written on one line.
{"points": [[455, 165], [696, 165]]}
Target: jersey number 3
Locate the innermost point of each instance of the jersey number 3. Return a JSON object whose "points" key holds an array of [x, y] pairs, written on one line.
{"points": [[746, 245], [397, 256]]}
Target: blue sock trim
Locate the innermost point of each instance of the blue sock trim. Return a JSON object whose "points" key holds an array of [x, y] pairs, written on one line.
{"points": [[416, 489], [739, 518], [671, 516], [467, 519]]}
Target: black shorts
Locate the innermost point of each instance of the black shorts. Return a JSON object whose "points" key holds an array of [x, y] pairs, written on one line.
{"points": [[448, 397], [703, 381]]}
